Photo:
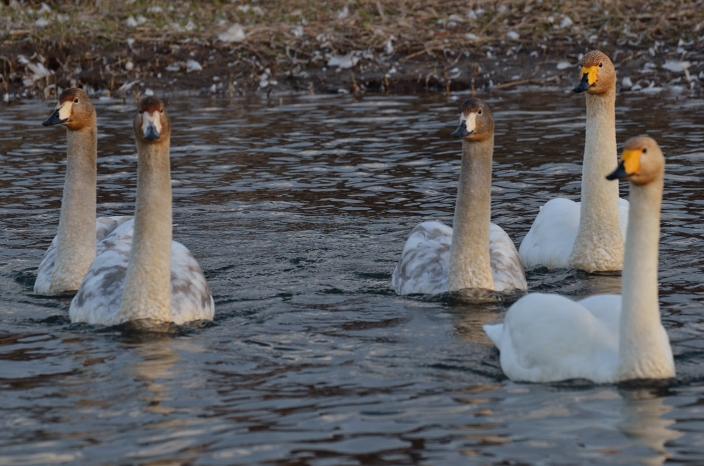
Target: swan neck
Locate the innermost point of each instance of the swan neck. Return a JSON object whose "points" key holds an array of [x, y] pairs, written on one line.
{"points": [[642, 346], [599, 242], [147, 292], [75, 240], [470, 263]]}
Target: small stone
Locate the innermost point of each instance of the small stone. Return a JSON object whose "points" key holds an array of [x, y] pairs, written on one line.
{"points": [[343, 61], [676, 66], [297, 31], [234, 34], [192, 65], [566, 22]]}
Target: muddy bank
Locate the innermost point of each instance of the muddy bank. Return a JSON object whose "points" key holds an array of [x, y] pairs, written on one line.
{"points": [[242, 48]]}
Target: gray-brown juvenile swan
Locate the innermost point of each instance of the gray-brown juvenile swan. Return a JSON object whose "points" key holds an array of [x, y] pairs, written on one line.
{"points": [[74, 247], [586, 235], [475, 253], [147, 276], [603, 338]]}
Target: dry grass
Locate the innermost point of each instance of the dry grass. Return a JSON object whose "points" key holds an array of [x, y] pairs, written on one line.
{"points": [[354, 25], [297, 33]]}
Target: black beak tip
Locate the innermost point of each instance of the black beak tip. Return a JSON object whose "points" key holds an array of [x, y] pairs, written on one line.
{"points": [[461, 131], [54, 119], [618, 174], [151, 136], [583, 85]]}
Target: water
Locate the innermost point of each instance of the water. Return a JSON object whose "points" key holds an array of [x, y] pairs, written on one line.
{"points": [[297, 211]]}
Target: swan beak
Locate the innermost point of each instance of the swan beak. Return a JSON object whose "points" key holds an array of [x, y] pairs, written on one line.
{"points": [[589, 77], [461, 130], [583, 84], [151, 126], [468, 123], [618, 174], [627, 166], [55, 119]]}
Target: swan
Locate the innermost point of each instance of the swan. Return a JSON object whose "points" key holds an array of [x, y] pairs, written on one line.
{"points": [[476, 253], [603, 338], [142, 273], [74, 247], [586, 235]]}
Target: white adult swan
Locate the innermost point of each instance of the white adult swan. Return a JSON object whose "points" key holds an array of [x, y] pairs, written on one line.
{"points": [[476, 253], [603, 338], [587, 235], [148, 276], [74, 247]]}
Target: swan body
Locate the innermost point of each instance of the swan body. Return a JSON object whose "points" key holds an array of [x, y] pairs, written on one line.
{"points": [[475, 253], [100, 296], [552, 236], [104, 226], [603, 338], [587, 235], [425, 261], [141, 273], [74, 247]]}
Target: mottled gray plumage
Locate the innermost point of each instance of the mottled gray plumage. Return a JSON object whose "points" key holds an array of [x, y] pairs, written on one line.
{"points": [[100, 295], [103, 225], [425, 261]]}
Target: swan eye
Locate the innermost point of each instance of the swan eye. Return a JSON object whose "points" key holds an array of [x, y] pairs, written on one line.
{"points": [[75, 101], [645, 150]]}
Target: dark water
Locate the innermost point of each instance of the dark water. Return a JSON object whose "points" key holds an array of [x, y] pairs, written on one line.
{"points": [[297, 211]]}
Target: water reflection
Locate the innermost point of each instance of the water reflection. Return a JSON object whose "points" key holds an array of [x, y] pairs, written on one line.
{"points": [[153, 370], [468, 319], [643, 424]]}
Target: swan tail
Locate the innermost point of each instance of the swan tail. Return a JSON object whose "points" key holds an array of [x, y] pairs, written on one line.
{"points": [[494, 332]]}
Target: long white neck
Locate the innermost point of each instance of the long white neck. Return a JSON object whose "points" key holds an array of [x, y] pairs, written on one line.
{"points": [[147, 293], [599, 242], [470, 263], [75, 248], [644, 349]]}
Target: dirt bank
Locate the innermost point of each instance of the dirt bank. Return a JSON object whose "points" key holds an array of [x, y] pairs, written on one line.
{"points": [[245, 47]]}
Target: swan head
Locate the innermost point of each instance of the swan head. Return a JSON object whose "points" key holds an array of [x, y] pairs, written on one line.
{"points": [[597, 72], [476, 122], [641, 162], [151, 122], [75, 110]]}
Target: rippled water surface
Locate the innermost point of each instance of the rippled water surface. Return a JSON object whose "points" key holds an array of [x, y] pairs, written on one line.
{"points": [[297, 210]]}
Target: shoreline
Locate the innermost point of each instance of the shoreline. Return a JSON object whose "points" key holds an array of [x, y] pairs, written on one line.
{"points": [[395, 49]]}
